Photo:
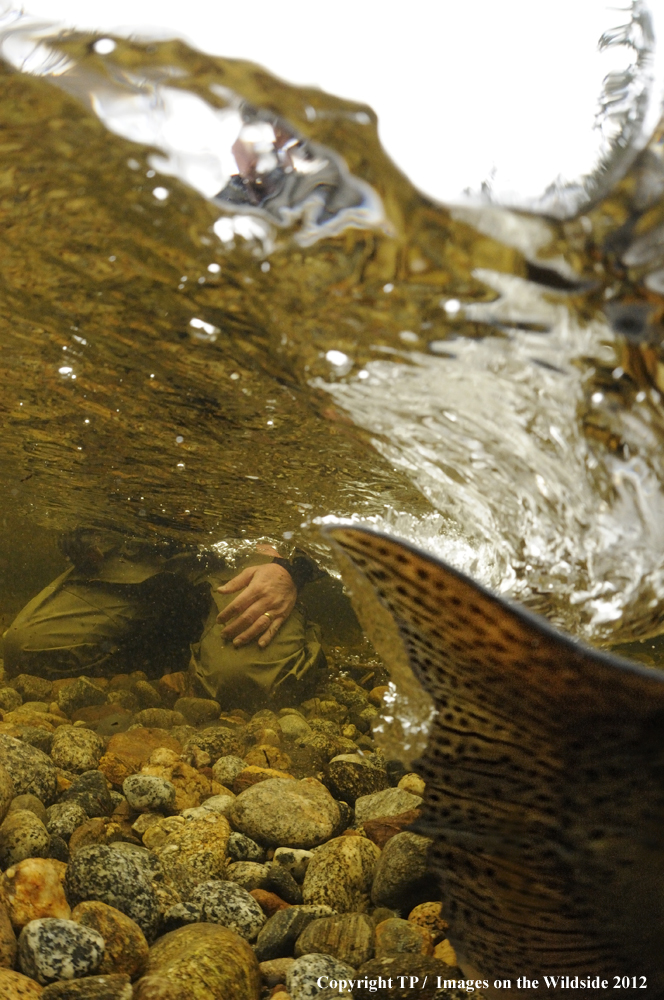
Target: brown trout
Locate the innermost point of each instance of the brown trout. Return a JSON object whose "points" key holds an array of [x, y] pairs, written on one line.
{"points": [[545, 779]]}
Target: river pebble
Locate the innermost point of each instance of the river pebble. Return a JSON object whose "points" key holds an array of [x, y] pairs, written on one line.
{"points": [[249, 874], [148, 793], [340, 874], [194, 852], [352, 777], [295, 860], [226, 769], [22, 835], [62, 818], [33, 889], [110, 876], [126, 949], [31, 803], [76, 749], [16, 986], [402, 878], [206, 961], [278, 936], [91, 792], [303, 974], [91, 988], [29, 768], [243, 848], [81, 693], [279, 811], [389, 802], [348, 937], [230, 905], [52, 949], [396, 936]]}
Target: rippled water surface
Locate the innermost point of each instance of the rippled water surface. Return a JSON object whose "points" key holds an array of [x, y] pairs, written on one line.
{"points": [[226, 314]]}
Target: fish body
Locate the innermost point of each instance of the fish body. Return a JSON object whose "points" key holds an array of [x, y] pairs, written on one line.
{"points": [[545, 779]]}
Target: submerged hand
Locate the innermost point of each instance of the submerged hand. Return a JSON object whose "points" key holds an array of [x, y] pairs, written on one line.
{"points": [[267, 599]]}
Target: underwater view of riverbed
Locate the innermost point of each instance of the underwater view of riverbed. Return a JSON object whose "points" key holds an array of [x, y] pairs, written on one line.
{"points": [[228, 321]]}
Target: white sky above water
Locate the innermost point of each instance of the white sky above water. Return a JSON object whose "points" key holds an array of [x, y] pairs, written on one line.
{"points": [[463, 90]]}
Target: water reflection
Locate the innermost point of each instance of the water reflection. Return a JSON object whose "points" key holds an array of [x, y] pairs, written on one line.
{"points": [[482, 381]]}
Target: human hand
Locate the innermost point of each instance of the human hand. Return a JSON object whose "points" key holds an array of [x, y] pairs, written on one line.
{"points": [[267, 599]]}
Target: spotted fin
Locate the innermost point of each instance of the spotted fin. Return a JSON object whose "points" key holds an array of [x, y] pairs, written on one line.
{"points": [[545, 776]]}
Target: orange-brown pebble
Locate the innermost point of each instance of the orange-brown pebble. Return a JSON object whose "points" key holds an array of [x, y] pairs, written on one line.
{"points": [[100, 830], [33, 889], [279, 993], [58, 686], [377, 694], [63, 783], [171, 687], [115, 769], [429, 915], [275, 970], [383, 829], [269, 902], [126, 947], [252, 775], [191, 787], [14, 986], [135, 746], [266, 755], [8, 944], [446, 953]]}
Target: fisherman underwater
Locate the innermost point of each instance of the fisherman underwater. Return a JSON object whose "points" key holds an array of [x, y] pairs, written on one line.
{"points": [[126, 604]]}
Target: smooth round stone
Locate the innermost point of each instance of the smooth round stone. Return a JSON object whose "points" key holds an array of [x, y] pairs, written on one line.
{"points": [[29, 768], [22, 835], [31, 687], [148, 793], [198, 710], [82, 693], [348, 937], [340, 874], [280, 881], [15, 986], [219, 803], [194, 852], [62, 818], [402, 877], [412, 783], [294, 860], [126, 947], [304, 973], [281, 931], [280, 811], [230, 905], [31, 803], [243, 848], [352, 776], [91, 988], [76, 749], [293, 726], [389, 802], [202, 962], [9, 699], [90, 790], [112, 877], [396, 937], [226, 769], [32, 889], [52, 949], [217, 741], [248, 874]]}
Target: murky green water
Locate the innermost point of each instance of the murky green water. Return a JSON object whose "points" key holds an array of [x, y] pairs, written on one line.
{"points": [[451, 374]]}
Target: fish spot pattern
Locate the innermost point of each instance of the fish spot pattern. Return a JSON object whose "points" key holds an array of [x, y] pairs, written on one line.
{"points": [[544, 772]]}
